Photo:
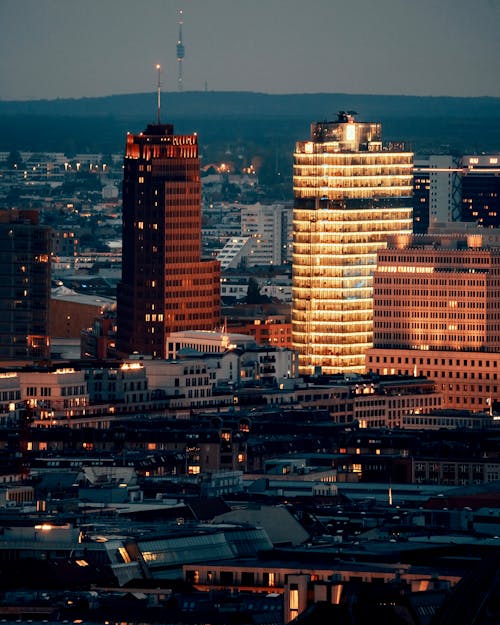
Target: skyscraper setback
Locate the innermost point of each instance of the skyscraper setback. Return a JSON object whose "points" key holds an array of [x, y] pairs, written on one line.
{"points": [[350, 192], [166, 286]]}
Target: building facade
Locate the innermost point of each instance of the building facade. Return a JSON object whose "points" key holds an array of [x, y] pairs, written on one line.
{"points": [[25, 248], [267, 225], [436, 314], [481, 190], [54, 397], [166, 286], [351, 193], [452, 188], [437, 191]]}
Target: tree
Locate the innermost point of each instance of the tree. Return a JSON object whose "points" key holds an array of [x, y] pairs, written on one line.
{"points": [[253, 292], [14, 160], [254, 295]]}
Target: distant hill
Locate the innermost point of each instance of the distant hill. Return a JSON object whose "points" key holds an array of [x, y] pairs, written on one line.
{"points": [[202, 104], [100, 124]]}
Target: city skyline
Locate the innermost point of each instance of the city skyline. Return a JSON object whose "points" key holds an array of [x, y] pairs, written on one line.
{"points": [[59, 49]]}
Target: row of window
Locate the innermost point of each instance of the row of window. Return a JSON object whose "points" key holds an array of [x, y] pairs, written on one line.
{"points": [[466, 362]]}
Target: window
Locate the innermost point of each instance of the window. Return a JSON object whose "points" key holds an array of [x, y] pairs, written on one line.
{"points": [[247, 578], [293, 601]]}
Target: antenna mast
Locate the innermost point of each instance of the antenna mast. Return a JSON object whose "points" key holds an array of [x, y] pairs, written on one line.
{"points": [[180, 53], [158, 67]]}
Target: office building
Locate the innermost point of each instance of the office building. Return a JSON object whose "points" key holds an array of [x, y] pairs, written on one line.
{"points": [[267, 225], [54, 396], [436, 313], [437, 191], [351, 193], [166, 286], [481, 190], [450, 189], [24, 286]]}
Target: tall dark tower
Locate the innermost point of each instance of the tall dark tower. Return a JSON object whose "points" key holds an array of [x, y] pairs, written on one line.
{"points": [[180, 53], [24, 286], [166, 286]]}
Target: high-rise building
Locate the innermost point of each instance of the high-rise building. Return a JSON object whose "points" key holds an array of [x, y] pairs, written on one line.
{"points": [[481, 190], [436, 312], [449, 189], [25, 248], [166, 286], [268, 226], [437, 198], [350, 192]]}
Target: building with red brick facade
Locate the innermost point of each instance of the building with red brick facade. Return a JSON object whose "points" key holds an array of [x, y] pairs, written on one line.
{"points": [[437, 314], [166, 286]]}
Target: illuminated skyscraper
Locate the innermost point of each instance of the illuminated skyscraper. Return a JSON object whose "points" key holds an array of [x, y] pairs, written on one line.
{"points": [[350, 192], [166, 286]]}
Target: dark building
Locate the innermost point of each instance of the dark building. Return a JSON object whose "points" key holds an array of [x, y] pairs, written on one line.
{"points": [[166, 286], [24, 286], [449, 189], [481, 191]]}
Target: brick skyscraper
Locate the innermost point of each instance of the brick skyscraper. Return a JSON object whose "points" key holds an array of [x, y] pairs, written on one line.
{"points": [[166, 286]]}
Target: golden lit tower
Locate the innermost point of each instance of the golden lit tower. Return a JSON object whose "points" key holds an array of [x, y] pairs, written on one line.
{"points": [[350, 194]]}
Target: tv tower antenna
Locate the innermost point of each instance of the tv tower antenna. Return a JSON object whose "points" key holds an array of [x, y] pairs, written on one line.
{"points": [[158, 87], [180, 53]]}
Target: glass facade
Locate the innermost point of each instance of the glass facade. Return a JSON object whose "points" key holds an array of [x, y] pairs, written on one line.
{"points": [[350, 194]]}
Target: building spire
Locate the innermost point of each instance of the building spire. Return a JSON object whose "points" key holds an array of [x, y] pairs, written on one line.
{"points": [[158, 87]]}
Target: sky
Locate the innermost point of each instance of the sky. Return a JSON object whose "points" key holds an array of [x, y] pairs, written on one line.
{"points": [[84, 48]]}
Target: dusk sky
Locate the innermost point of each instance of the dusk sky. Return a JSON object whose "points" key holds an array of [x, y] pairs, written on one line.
{"points": [[74, 48]]}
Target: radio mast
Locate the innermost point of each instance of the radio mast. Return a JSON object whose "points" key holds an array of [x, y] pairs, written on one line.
{"points": [[180, 53]]}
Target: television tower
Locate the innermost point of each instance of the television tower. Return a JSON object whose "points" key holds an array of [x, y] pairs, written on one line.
{"points": [[180, 53]]}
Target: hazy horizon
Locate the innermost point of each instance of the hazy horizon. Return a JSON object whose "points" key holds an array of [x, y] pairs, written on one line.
{"points": [[304, 93], [64, 49]]}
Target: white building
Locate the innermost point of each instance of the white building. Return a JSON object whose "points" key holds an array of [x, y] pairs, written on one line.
{"points": [[235, 252], [269, 227], [54, 396], [206, 342], [187, 383], [11, 404], [442, 174]]}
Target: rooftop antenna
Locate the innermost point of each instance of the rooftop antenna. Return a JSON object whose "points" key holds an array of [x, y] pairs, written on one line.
{"points": [[180, 53], [158, 87]]}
